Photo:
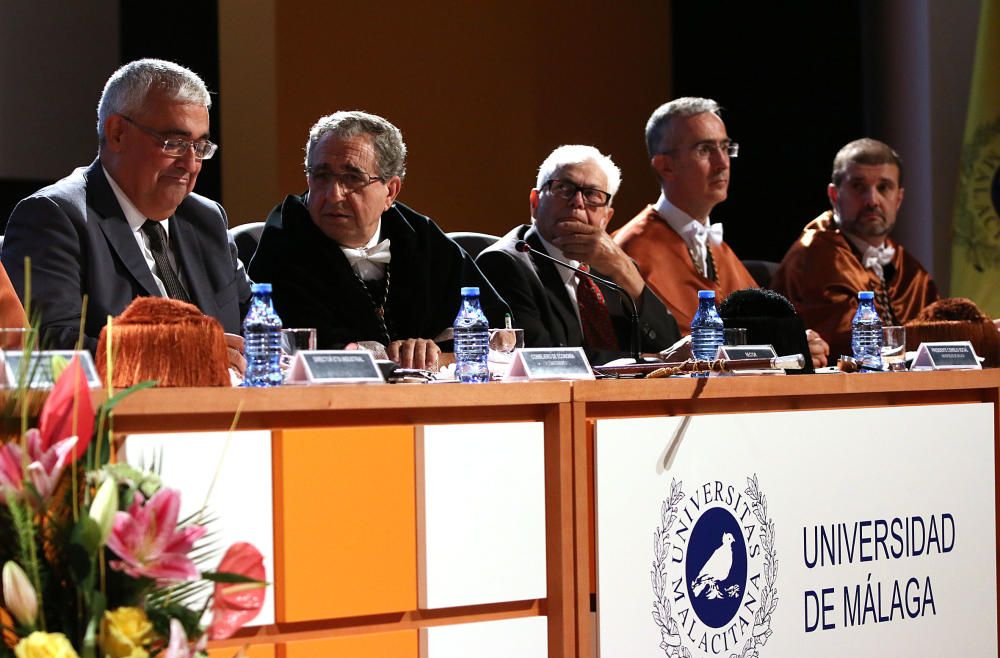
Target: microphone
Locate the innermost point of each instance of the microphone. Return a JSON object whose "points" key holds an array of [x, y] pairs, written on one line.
{"points": [[633, 310]]}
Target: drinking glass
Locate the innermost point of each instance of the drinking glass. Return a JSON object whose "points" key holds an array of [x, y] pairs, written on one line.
{"points": [[734, 336], [894, 348]]}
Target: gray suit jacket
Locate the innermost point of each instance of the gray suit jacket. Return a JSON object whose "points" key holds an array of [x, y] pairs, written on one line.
{"points": [[80, 244]]}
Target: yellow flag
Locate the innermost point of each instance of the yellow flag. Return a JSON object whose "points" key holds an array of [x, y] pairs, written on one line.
{"points": [[975, 255]]}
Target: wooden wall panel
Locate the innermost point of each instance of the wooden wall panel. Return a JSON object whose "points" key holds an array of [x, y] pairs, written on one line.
{"points": [[482, 92]]}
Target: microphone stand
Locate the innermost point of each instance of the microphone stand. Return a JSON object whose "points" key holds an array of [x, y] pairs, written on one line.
{"points": [[631, 308]]}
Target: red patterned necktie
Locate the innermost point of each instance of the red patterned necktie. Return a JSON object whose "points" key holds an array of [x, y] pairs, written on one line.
{"points": [[598, 333]]}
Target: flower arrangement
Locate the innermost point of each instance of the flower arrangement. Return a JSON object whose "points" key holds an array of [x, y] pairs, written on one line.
{"points": [[96, 562]]}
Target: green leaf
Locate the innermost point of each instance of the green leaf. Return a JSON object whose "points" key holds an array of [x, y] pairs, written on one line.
{"points": [[111, 402], [229, 577]]}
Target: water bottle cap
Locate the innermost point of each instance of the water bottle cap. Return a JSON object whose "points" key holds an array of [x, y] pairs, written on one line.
{"points": [[706, 294], [261, 287], [866, 295], [470, 290]]}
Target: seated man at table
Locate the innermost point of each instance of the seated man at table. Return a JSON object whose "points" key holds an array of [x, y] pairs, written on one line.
{"points": [[848, 249], [570, 209], [129, 225], [674, 242], [360, 267]]}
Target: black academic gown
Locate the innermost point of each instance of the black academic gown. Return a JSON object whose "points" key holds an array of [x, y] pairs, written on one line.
{"points": [[314, 285]]}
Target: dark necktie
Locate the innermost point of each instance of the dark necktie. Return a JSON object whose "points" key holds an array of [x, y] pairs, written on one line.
{"points": [[158, 245], [598, 333]]}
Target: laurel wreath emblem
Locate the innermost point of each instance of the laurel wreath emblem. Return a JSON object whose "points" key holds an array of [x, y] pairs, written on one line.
{"points": [[670, 637]]}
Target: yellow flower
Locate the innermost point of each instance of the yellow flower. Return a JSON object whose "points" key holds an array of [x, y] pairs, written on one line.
{"points": [[124, 631], [45, 645]]}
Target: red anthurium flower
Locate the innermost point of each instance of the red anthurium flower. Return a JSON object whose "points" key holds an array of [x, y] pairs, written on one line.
{"points": [[69, 394], [148, 541], [234, 604]]}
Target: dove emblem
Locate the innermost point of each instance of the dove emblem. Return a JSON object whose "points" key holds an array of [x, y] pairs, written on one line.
{"points": [[716, 570]]}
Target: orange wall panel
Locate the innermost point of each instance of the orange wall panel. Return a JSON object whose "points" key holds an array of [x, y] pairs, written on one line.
{"points": [[401, 644], [345, 527]]}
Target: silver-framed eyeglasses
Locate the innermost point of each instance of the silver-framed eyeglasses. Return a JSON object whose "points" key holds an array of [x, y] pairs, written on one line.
{"points": [[177, 147], [704, 150], [568, 189], [349, 181]]}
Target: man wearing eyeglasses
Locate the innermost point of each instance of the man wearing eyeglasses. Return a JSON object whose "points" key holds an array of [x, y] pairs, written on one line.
{"points": [[678, 249], [570, 210], [129, 225], [360, 267]]}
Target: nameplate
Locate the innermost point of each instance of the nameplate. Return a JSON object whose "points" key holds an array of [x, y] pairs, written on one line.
{"points": [[731, 352], [956, 355], [38, 367], [549, 363], [331, 366]]}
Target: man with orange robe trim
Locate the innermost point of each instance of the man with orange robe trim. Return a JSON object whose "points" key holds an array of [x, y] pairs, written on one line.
{"points": [[677, 248], [848, 249]]}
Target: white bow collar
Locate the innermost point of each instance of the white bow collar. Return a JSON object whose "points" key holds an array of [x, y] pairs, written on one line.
{"points": [[369, 262]]}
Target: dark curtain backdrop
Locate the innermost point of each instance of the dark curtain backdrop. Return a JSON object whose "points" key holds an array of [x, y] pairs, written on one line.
{"points": [[789, 78]]}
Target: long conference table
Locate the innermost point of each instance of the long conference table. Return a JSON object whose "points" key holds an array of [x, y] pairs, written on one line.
{"points": [[857, 513]]}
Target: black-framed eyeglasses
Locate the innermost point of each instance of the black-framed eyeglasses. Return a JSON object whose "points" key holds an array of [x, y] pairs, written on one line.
{"points": [[704, 150], [177, 147], [568, 189], [349, 181]]}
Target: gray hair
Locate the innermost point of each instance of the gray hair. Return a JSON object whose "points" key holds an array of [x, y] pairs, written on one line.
{"points": [[864, 151], [574, 154], [127, 89], [390, 151], [658, 127]]}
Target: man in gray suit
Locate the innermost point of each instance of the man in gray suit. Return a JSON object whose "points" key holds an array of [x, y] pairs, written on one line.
{"points": [[129, 225]]}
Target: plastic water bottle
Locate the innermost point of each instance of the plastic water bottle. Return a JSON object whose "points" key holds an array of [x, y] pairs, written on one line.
{"points": [[262, 339], [472, 339], [866, 333], [706, 327]]}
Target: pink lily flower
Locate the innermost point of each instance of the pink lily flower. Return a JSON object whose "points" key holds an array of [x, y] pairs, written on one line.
{"points": [[45, 465], [234, 604], [148, 541], [178, 647]]}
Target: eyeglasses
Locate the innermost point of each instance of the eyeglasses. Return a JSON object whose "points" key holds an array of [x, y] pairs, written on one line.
{"points": [[704, 150], [177, 147], [349, 181], [567, 190]]}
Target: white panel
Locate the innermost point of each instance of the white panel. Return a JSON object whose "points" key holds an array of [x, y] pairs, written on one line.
{"points": [[241, 499], [815, 469], [526, 637], [483, 514]]}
